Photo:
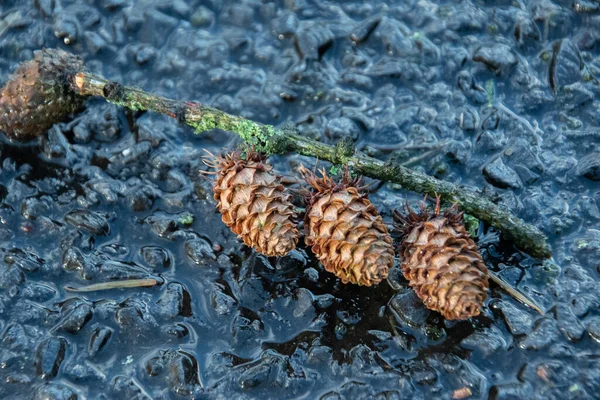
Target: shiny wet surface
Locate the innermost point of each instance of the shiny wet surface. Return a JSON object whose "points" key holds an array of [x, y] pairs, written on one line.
{"points": [[500, 95]]}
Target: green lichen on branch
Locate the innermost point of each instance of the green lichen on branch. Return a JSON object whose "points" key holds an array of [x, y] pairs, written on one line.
{"points": [[263, 137], [130, 103]]}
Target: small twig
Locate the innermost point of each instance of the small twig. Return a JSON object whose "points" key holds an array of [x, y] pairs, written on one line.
{"points": [[267, 138], [522, 121], [128, 283], [516, 293], [422, 156]]}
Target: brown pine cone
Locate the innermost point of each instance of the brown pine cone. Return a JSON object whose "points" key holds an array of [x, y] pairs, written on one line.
{"points": [[38, 95], [441, 261], [254, 203], [345, 231]]}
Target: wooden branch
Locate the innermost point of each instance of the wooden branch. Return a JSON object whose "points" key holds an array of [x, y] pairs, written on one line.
{"points": [[271, 140]]}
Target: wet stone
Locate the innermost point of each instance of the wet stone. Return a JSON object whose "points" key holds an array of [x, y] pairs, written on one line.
{"points": [[199, 251], [54, 391], [593, 325], [49, 355], [246, 325], [156, 257], [88, 221], [508, 391], [31, 208], [497, 57], [410, 309], [324, 300], [202, 17], [127, 387], [313, 40], [271, 369], [179, 368], [183, 373], [221, 302], [295, 260], [144, 55], [26, 261], [175, 301], [77, 317], [162, 225], [589, 166], [339, 128], [304, 302], [83, 371], [501, 176], [566, 64], [99, 338], [526, 32], [111, 269], [8, 358], [518, 321], [544, 333], [178, 330], [140, 198], [331, 396], [396, 280], [10, 276], [15, 338], [568, 323], [39, 292], [73, 260], [487, 341], [311, 274], [133, 317]]}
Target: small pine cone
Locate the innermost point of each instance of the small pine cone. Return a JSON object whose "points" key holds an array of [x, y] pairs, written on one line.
{"points": [[346, 232], [38, 95], [254, 203], [441, 261]]}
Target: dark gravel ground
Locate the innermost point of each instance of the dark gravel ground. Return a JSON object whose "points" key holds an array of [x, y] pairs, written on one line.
{"points": [[497, 94]]}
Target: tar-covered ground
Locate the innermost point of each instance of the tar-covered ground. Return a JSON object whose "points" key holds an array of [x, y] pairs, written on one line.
{"points": [[498, 95]]}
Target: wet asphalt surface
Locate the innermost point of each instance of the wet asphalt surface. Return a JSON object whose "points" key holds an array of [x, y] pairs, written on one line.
{"points": [[501, 95]]}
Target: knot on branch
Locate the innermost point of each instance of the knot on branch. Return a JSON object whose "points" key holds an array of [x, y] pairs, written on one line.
{"points": [[344, 149], [113, 91], [390, 170]]}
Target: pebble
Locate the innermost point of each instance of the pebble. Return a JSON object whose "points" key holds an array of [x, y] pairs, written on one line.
{"points": [[518, 321], [593, 326], [49, 356], [199, 251], [568, 323], [589, 166], [156, 257], [410, 308], [76, 318], [497, 57], [88, 221], [99, 338], [544, 333], [486, 341], [175, 301], [183, 373], [54, 391], [501, 176]]}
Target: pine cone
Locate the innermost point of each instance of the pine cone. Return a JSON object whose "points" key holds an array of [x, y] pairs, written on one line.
{"points": [[346, 232], [254, 203], [38, 95], [441, 261]]}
